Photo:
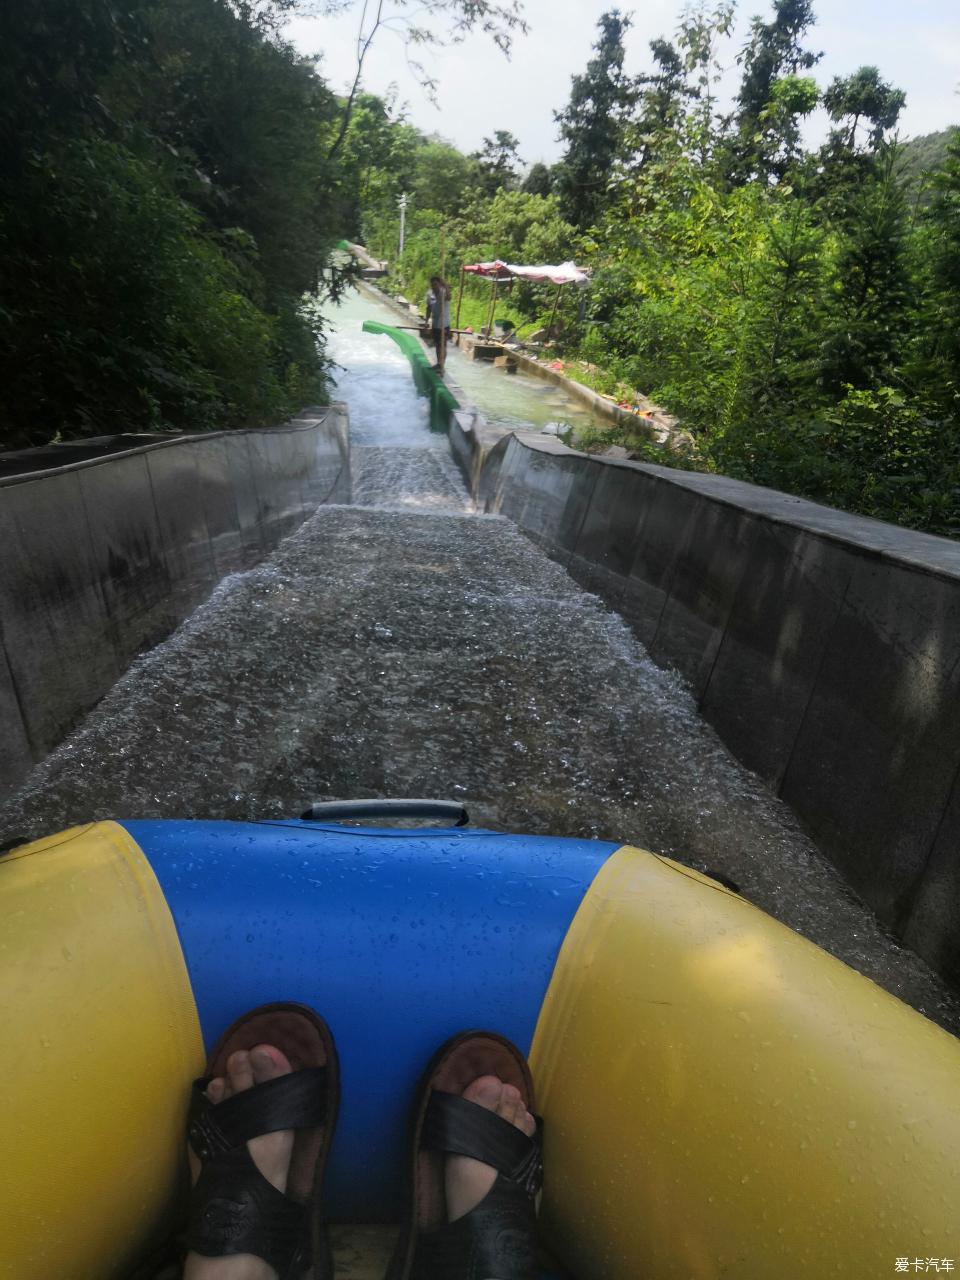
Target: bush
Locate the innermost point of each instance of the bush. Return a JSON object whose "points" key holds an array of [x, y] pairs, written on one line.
{"points": [[124, 314], [875, 452]]}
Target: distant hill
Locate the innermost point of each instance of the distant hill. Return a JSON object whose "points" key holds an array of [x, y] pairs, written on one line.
{"points": [[921, 156]]}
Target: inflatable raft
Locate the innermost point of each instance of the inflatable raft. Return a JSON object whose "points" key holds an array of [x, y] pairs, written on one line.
{"points": [[721, 1097]]}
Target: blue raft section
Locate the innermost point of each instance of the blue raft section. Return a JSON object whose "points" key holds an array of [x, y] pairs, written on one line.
{"points": [[399, 938]]}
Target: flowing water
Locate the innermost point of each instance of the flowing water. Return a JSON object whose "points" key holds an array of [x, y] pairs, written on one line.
{"points": [[517, 399], [405, 645]]}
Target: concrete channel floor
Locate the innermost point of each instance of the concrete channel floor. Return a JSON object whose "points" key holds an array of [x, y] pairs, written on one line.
{"points": [[401, 652]]}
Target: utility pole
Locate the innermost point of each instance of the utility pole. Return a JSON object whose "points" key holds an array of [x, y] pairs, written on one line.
{"points": [[402, 201]]}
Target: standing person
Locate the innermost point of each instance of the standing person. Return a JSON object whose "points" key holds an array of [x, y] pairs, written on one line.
{"points": [[438, 317]]}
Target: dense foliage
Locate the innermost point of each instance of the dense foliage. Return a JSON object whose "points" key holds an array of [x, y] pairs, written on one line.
{"points": [[173, 179], [161, 216], [796, 310]]}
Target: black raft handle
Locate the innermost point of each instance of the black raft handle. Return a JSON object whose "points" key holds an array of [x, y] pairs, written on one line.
{"points": [[334, 810]]}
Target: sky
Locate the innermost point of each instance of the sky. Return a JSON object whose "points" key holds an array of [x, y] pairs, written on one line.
{"points": [[915, 44]]}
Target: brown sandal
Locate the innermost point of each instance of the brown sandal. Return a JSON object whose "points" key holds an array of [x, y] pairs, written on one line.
{"points": [[234, 1209], [498, 1236]]}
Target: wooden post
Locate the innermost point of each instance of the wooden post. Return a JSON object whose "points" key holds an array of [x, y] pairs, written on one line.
{"points": [[555, 306], [463, 276]]}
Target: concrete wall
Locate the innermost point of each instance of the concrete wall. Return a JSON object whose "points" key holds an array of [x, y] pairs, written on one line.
{"points": [[104, 558], [824, 647]]}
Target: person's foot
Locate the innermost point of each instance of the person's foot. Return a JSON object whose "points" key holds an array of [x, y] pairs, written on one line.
{"points": [[270, 1153], [466, 1180]]}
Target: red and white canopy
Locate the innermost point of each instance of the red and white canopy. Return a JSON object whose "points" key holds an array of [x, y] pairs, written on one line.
{"points": [[565, 273]]}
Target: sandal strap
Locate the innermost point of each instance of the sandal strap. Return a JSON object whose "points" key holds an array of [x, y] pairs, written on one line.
{"points": [[234, 1209], [294, 1101], [496, 1238], [457, 1126]]}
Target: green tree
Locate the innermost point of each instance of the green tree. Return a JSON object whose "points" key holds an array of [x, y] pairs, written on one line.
{"points": [[156, 237], [592, 124], [374, 165], [438, 179], [862, 101], [513, 225], [662, 97], [518, 227], [773, 96], [129, 314], [441, 176], [539, 181], [497, 162], [865, 330], [699, 35], [55, 56], [940, 315], [245, 110], [863, 109]]}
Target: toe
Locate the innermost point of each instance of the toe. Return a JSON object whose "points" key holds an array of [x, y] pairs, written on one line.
{"points": [[216, 1090], [511, 1103], [239, 1071], [505, 1099], [485, 1091], [267, 1062], [512, 1107]]}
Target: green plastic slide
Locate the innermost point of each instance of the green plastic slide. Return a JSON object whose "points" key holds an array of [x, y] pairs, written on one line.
{"points": [[428, 381]]}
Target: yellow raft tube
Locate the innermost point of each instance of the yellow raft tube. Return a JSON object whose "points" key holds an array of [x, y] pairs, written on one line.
{"points": [[721, 1097]]}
